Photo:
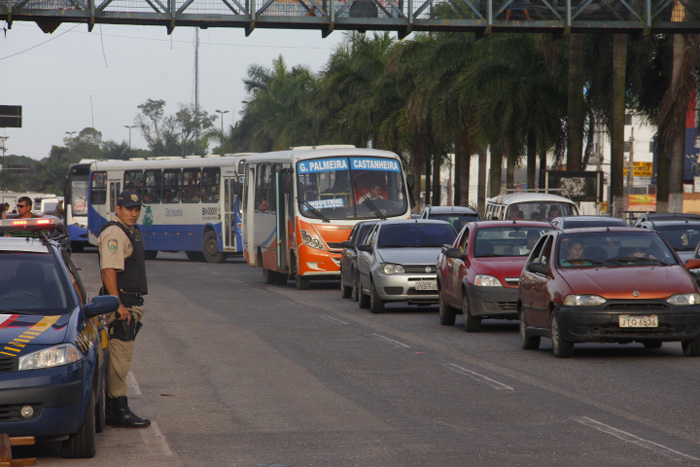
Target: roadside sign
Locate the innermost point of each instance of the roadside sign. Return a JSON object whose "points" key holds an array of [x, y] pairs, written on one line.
{"points": [[10, 116]]}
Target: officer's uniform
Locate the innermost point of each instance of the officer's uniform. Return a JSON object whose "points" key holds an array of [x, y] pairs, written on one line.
{"points": [[118, 252], [121, 249]]}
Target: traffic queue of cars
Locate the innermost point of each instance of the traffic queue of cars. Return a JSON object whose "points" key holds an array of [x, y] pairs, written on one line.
{"points": [[572, 279], [53, 347]]}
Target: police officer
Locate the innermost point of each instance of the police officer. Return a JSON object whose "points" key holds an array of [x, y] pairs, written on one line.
{"points": [[123, 268]]}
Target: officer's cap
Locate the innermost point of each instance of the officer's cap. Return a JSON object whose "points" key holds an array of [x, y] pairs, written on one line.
{"points": [[129, 199]]}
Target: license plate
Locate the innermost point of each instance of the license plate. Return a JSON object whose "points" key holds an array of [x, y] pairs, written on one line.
{"points": [[426, 285], [627, 321]]}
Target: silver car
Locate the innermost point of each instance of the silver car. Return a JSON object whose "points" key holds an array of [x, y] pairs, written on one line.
{"points": [[398, 262]]}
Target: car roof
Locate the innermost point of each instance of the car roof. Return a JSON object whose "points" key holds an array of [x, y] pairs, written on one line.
{"points": [[450, 209], [662, 223], [490, 224], [601, 220], [412, 221], [23, 245], [610, 228], [510, 198]]}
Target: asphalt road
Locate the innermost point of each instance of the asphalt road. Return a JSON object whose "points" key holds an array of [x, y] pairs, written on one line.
{"points": [[233, 372]]}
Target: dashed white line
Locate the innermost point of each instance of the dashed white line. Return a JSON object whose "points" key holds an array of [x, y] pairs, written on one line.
{"points": [[630, 438], [477, 376], [392, 341], [335, 320]]}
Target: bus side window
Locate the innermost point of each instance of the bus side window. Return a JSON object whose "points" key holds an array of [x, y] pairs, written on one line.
{"points": [[210, 184], [98, 190], [172, 185], [133, 180], [191, 181], [151, 194]]}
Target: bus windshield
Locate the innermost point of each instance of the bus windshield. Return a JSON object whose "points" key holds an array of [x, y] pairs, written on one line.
{"points": [[351, 188], [79, 191]]}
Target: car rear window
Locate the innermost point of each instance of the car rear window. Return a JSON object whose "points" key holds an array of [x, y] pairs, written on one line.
{"points": [[506, 241], [33, 283], [415, 235], [456, 220]]}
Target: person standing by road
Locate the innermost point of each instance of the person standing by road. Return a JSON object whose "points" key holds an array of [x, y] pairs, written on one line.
{"points": [[123, 267]]}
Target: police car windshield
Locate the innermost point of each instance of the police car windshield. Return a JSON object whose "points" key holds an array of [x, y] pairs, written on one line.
{"points": [[33, 283]]}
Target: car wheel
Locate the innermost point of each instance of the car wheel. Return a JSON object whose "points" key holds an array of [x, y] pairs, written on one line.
{"points": [[655, 344], [100, 412], [355, 296], [346, 291], [364, 300], [561, 347], [471, 323], [376, 304], [446, 312], [210, 248], [691, 348], [527, 341], [82, 443]]}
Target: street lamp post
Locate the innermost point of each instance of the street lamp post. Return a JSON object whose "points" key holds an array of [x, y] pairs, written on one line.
{"points": [[3, 141], [130, 127], [222, 112]]}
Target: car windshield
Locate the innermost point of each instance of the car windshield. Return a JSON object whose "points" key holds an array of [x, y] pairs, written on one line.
{"points": [[627, 248], [506, 241], [456, 220], [684, 237], [415, 235], [33, 283], [351, 188]]}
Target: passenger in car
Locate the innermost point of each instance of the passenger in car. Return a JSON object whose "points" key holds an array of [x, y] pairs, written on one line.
{"points": [[575, 250]]}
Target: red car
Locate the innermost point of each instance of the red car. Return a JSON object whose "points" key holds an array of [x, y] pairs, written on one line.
{"points": [[478, 276], [614, 284]]}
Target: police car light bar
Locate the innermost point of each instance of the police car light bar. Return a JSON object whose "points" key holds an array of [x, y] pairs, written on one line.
{"points": [[28, 225]]}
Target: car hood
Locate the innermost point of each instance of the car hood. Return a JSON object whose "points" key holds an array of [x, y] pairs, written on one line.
{"points": [[21, 332], [409, 255], [499, 266], [656, 282]]}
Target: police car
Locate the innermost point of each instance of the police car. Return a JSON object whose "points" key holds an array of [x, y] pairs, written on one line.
{"points": [[52, 345]]}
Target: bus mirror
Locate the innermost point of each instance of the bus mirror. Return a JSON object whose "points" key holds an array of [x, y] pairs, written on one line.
{"points": [[410, 181]]}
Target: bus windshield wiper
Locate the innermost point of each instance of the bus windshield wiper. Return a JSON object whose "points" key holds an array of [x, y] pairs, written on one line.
{"points": [[374, 208], [318, 213]]}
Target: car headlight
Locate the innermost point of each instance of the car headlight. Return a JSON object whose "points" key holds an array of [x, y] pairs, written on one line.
{"points": [[683, 299], [584, 300], [484, 280], [311, 241], [389, 268], [51, 357]]}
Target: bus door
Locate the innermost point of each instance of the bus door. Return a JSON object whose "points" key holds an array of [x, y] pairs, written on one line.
{"points": [[249, 217], [230, 217], [284, 189], [115, 187]]}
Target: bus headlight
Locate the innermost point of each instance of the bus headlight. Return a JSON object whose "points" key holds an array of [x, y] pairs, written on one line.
{"points": [[310, 240]]}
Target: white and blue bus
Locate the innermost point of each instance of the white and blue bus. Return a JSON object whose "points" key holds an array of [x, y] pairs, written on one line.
{"points": [[191, 204], [75, 194]]}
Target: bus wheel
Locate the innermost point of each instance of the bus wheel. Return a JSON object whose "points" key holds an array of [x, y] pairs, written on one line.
{"points": [[211, 248], [150, 254]]}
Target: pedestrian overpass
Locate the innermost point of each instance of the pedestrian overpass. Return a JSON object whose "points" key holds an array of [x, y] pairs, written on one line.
{"points": [[403, 16]]}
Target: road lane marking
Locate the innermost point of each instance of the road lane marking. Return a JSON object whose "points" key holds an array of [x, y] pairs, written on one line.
{"points": [[155, 441], [335, 320], [477, 376], [391, 341], [132, 385], [630, 438]]}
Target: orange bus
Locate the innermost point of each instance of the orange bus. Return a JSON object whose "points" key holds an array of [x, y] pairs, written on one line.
{"points": [[299, 205]]}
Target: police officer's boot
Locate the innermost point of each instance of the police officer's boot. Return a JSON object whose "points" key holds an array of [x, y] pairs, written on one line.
{"points": [[123, 417], [109, 403]]}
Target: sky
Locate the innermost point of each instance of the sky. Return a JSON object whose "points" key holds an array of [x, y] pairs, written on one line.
{"points": [[72, 78]]}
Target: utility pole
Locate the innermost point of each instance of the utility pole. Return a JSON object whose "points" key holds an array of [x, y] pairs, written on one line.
{"points": [[130, 127], [222, 112], [70, 141], [3, 142]]}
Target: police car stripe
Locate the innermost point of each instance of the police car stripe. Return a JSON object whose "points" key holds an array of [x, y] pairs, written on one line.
{"points": [[6, 320], [36, 330]]}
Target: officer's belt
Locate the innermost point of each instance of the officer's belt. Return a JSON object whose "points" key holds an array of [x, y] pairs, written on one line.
{"points": [[130, 299]]}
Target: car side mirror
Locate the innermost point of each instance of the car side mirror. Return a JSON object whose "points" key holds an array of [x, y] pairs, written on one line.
{"points": [[101, 305], [538, 268], [454, 253], [365, 247], [692, 264]]}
